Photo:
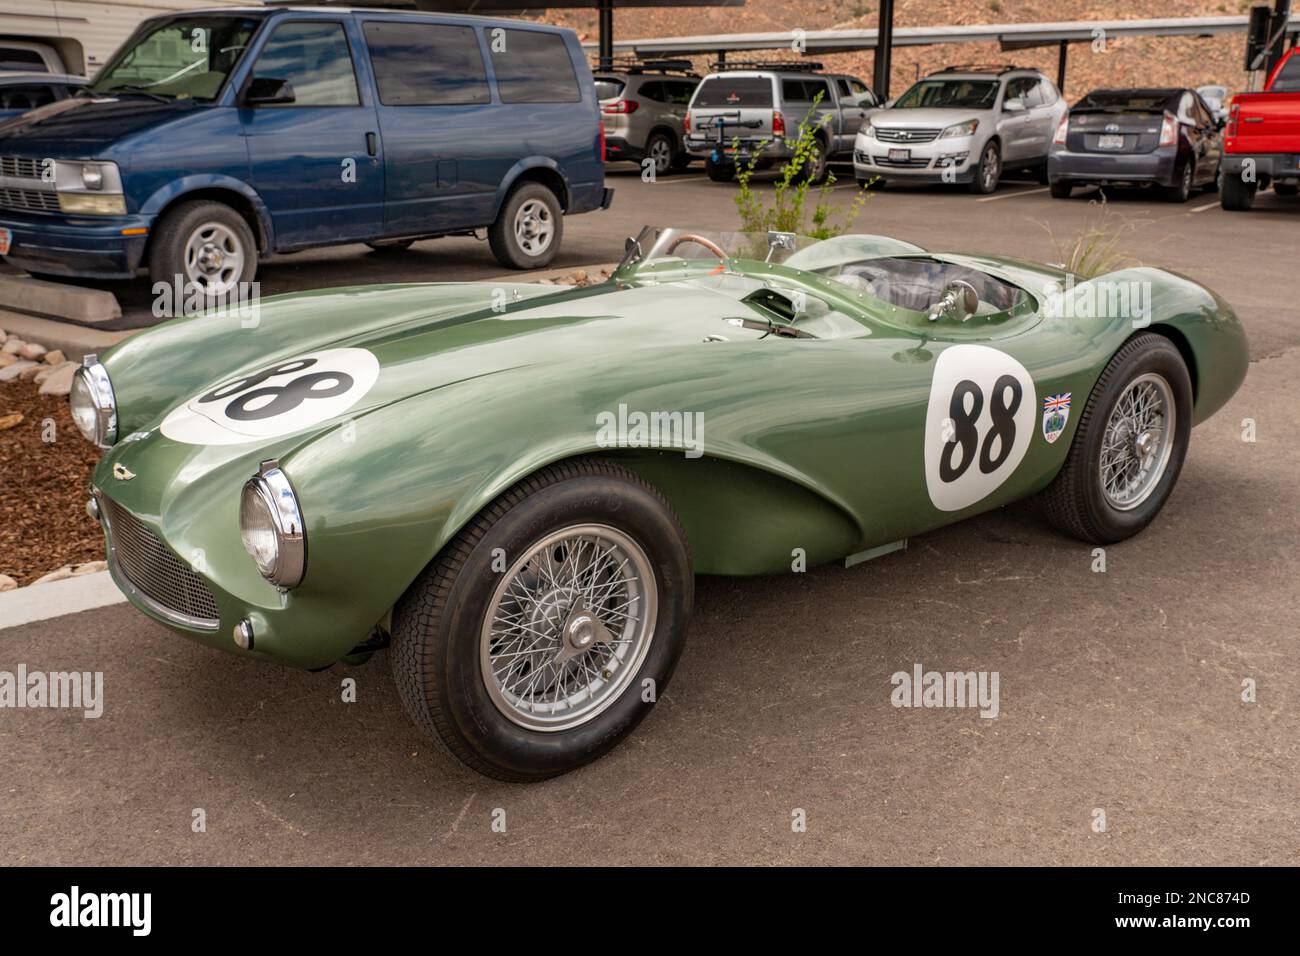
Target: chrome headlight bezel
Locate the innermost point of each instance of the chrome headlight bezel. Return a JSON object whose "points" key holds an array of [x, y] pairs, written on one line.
{"points": [[98, 390], [966, 128], [89, 187], [271, 492]]}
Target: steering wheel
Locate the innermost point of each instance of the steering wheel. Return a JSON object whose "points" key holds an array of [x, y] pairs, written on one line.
{"points": [[699, 240]]}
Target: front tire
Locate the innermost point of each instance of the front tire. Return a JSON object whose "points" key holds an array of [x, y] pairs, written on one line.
{"points": [[1129, 446], [207, 245], [1061, 189], [527, 647], [989, 171], [527, 232], [1182, 189]]}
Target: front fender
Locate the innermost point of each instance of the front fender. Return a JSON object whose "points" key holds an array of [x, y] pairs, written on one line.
{"points": [[165, 195]]}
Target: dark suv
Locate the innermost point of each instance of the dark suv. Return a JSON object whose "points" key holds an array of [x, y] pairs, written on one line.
{"points": [[216, 136]]}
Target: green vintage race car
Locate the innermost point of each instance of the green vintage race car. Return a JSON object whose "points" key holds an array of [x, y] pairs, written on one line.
{"points": [[516, 483]]}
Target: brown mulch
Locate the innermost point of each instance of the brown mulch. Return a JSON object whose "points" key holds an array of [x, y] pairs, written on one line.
{"points": [[43, 487]]}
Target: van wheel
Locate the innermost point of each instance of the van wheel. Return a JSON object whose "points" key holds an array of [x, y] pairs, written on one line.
{"points": [[720, 172], [527, 232], [548, 627], [208, 245], [1235, 194]]}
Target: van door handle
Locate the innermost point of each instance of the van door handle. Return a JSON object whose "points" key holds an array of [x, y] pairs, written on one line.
{"points": [[372, 144]]}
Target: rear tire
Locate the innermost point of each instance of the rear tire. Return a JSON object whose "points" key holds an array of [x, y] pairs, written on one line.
{"points": [[720, 172], [815, 164], [527, 232], [1183, 188], [1078, 502], [461, 622], [1061, 190], [1235, 194], [661, 149]]}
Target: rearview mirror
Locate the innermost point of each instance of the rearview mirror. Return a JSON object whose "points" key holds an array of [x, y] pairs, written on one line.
{"points": [[957, 304], [268, 91]]}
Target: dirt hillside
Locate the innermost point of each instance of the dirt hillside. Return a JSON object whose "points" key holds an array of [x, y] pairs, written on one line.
{"points": [[1156, 61]]}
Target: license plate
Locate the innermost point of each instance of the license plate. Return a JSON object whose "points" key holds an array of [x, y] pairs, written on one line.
{"points": [[6, 240], [900, 155], [1110, 142]]}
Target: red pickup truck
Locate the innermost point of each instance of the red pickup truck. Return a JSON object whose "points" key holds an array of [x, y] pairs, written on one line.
{"points": [[1262, 142]]}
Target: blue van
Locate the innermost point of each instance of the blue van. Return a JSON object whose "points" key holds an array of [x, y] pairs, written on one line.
{"points": [[215, 136]]}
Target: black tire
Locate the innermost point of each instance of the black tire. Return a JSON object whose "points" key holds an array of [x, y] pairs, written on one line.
{"points": [[1213, 185], [1286, 189], [179, 225], [1061, 189], [506, 245], [661, 149], [1040, 174], [681, 161], [388, 246], [988, 171], [1075, 502], [1182, 189], [437, 623], [720, 172], [1235, 194]]}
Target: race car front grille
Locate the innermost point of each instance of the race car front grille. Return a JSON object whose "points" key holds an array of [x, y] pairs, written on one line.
{"points": [[160, 576], [914, 163], [20, 166], [38, 200], [906, 135]]}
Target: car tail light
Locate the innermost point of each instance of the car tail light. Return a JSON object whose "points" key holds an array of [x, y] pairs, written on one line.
{"points": [[778, 123], [602, 142], [1234, 115], [1169, 130], [1062, 128], [621, 106], [686, 123]]}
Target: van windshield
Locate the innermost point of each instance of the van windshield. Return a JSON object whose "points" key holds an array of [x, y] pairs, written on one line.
{"points": [[186, 58]]}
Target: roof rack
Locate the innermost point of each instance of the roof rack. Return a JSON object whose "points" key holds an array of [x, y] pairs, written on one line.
{"points": [[633, 64], [793, 66], [998, 68]]}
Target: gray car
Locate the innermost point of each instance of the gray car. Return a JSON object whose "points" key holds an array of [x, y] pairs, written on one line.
{"points": [[643, 111], [965, 125], [1163, 138], [750, 113]]}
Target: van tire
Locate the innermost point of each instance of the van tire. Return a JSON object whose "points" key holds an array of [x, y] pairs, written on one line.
{"points": [[530, 206], [180, 227]]}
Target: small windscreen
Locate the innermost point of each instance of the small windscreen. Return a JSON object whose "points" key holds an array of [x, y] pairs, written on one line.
{"points": [[734, 92], [1129, 101]]}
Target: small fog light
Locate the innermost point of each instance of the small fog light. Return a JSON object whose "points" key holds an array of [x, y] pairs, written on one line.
{"points": [[244, 635]]}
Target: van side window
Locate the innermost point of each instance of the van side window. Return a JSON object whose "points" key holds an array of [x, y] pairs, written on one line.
{"points": [[17, 58], [533, 67], [315, 59], [426, 64]]}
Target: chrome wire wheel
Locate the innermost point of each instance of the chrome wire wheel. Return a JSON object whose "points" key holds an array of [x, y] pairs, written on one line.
{"points": [[568, 627], [1138, 441], [214, 258], [534, 227]]}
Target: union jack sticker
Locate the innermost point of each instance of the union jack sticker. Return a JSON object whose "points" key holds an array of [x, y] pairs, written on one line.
{"points": [[1056, 412]]}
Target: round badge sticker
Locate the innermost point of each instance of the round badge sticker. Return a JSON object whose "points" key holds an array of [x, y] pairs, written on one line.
{"points": [[280, 399], [978, 424]]}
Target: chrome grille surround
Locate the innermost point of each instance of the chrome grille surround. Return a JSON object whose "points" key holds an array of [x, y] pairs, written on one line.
{"points": [[907, 136], [159, 578], [32, 200], [20, 166]]}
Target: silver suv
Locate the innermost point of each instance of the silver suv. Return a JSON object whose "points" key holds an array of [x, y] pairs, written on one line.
{"points": [[743, 113], [643, 109], [964, 124]]}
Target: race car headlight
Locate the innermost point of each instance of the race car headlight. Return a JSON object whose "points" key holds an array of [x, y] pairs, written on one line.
{"points": [[270, 524], [967, 128], [93, 406]]}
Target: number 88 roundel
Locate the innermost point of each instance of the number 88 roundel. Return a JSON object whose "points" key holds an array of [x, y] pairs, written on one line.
{"points": [[978, 424], [281, 398]]}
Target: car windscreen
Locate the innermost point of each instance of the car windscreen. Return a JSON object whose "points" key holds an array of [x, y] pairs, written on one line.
{"points": [[609, 87], [735, 92], [1130, 101], [954, 93], [185, 58]]}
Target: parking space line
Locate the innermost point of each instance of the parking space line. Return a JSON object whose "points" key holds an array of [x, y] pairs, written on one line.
{"points": [[678, 179], [1208, 205], [1019, 192]]}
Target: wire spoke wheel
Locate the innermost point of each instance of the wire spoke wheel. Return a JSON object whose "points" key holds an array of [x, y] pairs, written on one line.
{"points": [[1138, 441], [568, 627]]}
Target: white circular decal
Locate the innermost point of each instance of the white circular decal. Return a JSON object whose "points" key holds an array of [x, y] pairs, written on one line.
{"points": [[282, 398], [977, 426]]}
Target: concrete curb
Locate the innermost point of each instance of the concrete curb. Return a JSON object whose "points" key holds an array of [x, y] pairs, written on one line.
{"points": [[73, 341], [57, 299], [41, 602]]}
